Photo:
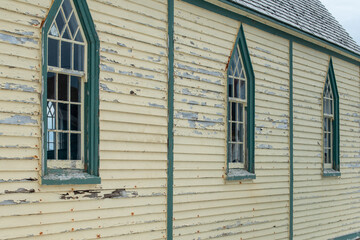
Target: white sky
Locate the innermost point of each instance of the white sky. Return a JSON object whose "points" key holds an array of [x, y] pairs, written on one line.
{"points": [[347, 12]]}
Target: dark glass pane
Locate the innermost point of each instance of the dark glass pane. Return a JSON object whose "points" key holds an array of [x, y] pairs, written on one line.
{"points": [[53, 52], [240, 112], [241, 153], [51, 115], [66, 51], [51, 143], [330, 105], [329, 127], [63, 146], [242, 90], [75, 146], [54, 31], [240, 133], [75, 89], [73, 24], [236, 88], [79, 57], [60, 22], [63, 116], [326, 156], [329, 140], [237, 72], [325, 140], [233, 111], [242, 75], [67, 34], [63, 87], [75, 117], [230, 83], [51, 85], [79, 37], [233, 132], [67, 8], [239, 66], [234, 153]]}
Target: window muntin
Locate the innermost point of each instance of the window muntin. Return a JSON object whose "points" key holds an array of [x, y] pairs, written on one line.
{"points": [[237, 102], [66, 75], [328, 119]]}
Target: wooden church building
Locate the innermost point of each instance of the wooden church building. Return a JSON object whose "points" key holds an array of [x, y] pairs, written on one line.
{"points": [[178, 119]]}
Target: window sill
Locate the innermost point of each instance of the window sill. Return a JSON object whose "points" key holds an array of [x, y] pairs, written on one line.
{"points": [[239, 174], [67, 176], [328, 172]]}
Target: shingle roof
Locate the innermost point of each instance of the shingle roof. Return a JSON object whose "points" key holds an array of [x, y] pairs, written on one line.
{"points": [[307, 15]]}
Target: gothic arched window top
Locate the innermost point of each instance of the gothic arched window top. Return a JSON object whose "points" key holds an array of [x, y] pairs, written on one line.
{"points": [[70, 76]]}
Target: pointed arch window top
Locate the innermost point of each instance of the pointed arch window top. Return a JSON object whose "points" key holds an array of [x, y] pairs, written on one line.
{"points": [[66, 24]]}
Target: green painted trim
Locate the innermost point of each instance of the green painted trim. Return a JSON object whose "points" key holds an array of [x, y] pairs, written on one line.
{"points": [[331, 174], [91, 110], [291, 142], [170, 156], [336, 126], [351, 236], [241, 42], [336, 122], [272, 30], [244, 177], [63, 177]]}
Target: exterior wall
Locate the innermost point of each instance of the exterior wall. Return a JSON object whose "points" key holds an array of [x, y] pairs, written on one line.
{"points": [[324, 207], [133, 127], [134, 124], [205, 204]]}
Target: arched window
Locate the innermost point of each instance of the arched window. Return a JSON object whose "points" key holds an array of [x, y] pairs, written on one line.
{"points": [[240, 99], [330, 97], [70, 95]]}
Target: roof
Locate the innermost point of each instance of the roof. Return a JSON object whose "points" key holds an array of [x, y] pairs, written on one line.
{"points": [[309, 16]]}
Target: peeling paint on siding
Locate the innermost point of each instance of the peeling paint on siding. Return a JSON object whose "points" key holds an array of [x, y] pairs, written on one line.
{"points": [[16, 40], [18, 120]]}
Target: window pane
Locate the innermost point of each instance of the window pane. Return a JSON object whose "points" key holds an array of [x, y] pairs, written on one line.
{"points": [[73, 24], [75, 117], [233, 131], [236, 88], [240, 112], [79, 57], [79, 37], [234, 153], [75, 145], [53, 52], [63, 116], [75, 89], [51, 116], [50, 85], [63, 146], [66, 50], [63, 87], [242, 90], [241, 153], [51, 141], [67, 8], [241, 132], [60, 22], [54, 31], [233, 111], [230, 83]]}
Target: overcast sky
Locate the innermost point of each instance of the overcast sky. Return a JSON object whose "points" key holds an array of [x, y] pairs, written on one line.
{"points": [[347, 12]]}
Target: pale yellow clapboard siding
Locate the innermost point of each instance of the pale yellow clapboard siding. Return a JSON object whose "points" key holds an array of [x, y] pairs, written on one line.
{"points": [[140, 67]]}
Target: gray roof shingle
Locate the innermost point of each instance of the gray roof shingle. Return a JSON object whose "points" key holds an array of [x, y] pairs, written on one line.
{"points": [[309, 16]]}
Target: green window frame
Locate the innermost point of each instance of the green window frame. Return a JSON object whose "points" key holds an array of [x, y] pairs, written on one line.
{"points": [[330, 125], [240, 112], [88, 173]]}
